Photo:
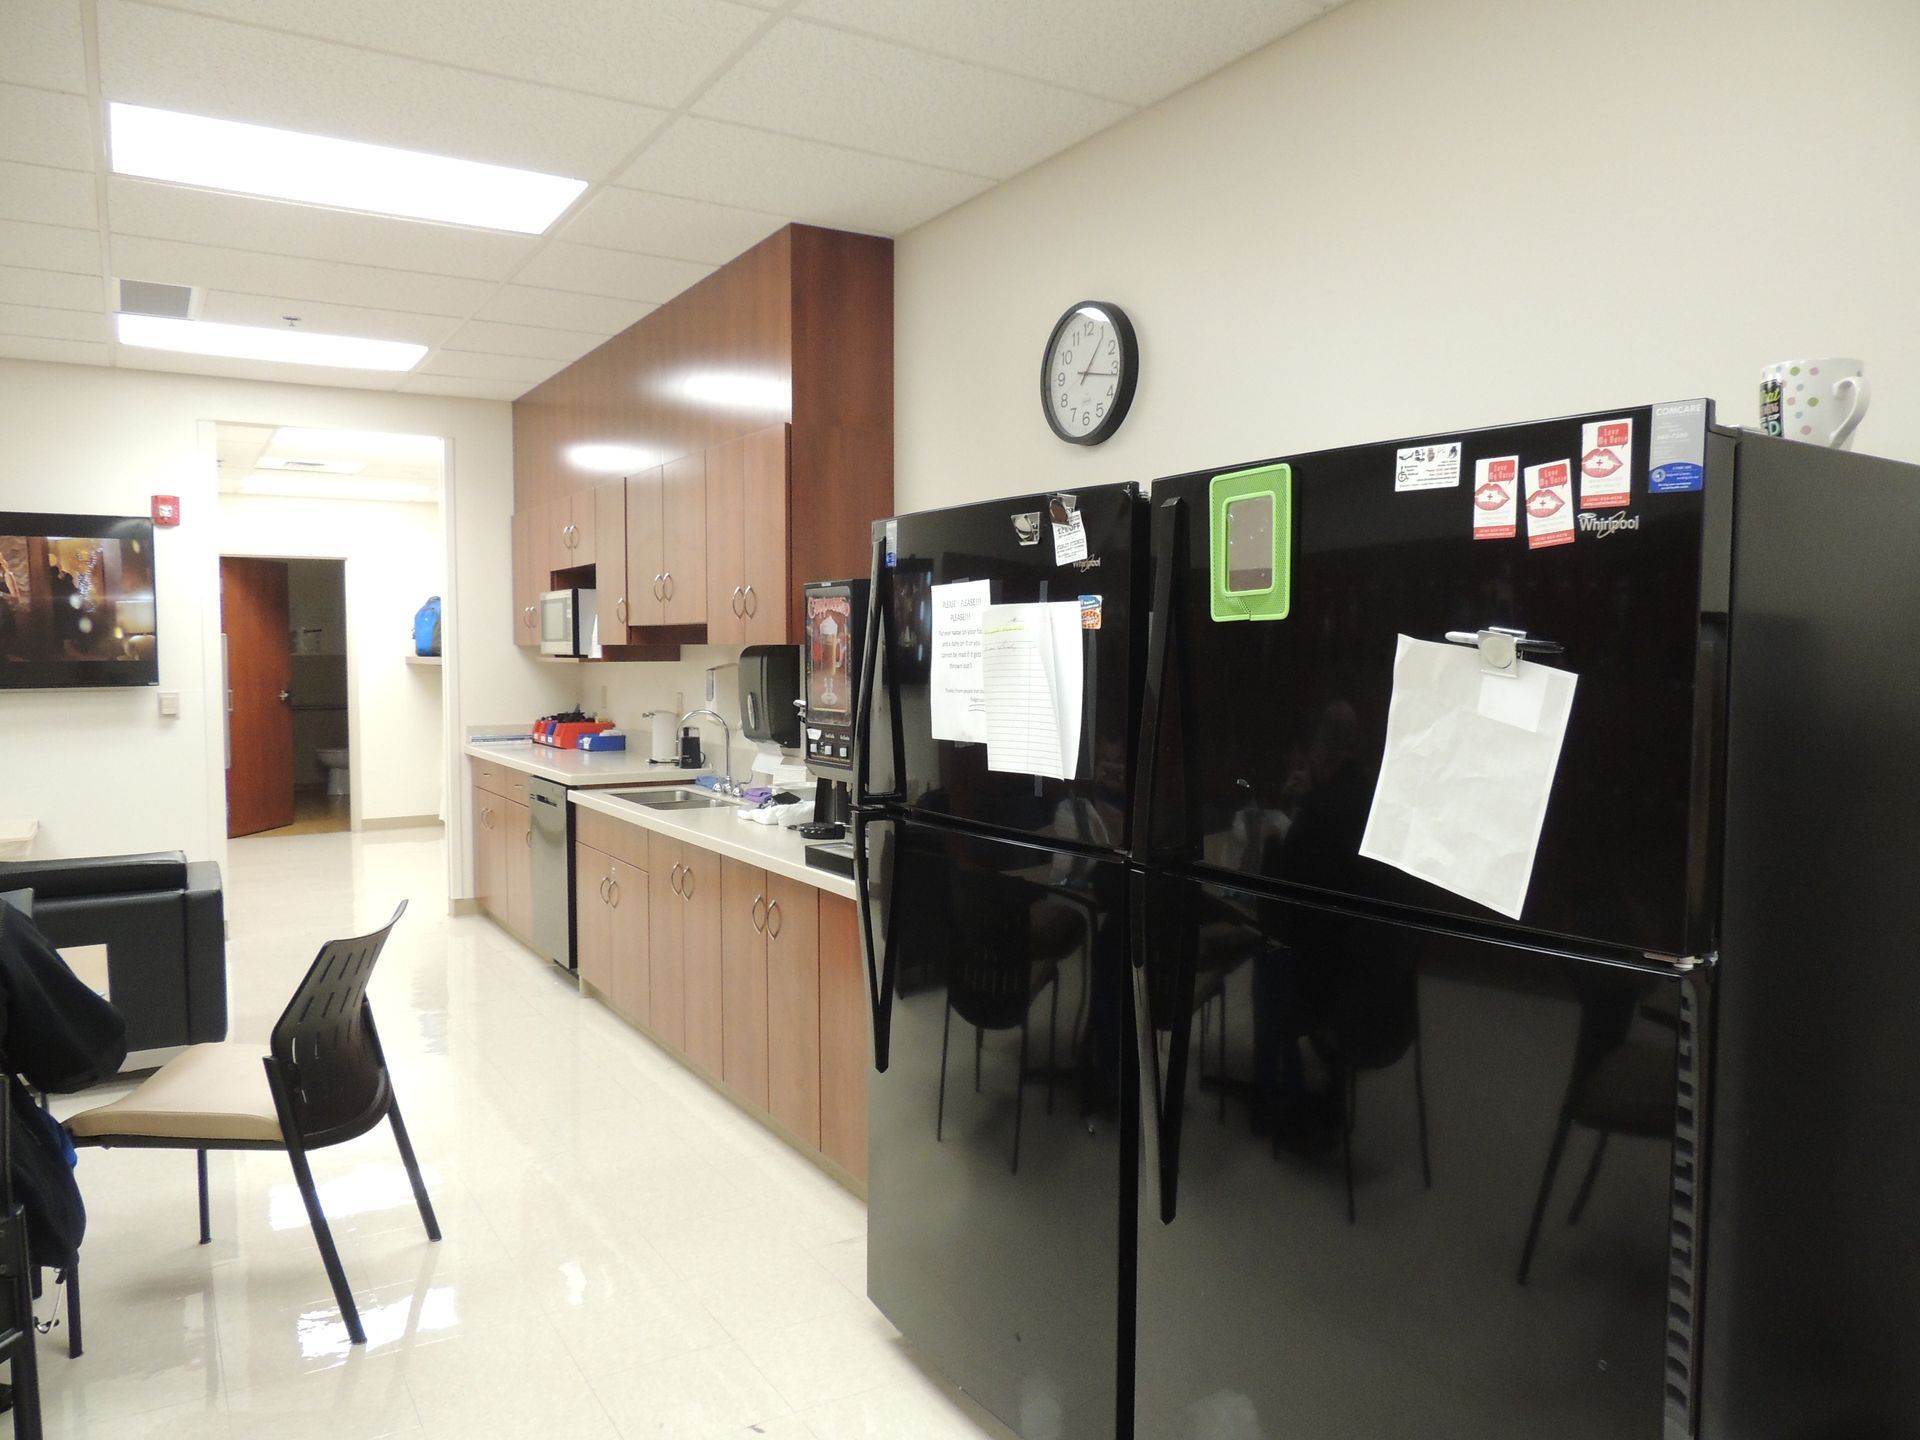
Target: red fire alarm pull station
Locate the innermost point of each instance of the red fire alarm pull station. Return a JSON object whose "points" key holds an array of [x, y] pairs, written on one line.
{"points": [[166, 510]]}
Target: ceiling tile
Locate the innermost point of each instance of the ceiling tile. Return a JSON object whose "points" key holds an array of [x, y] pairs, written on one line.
{"points": [[274, 227], [237, 72], [51, 288], [652, 51], [466, 386], [592, 271], [41, 44], [475, 366], [852, 90], [49, 247], [50, 197], [42, 128], [235, 309], [496, 339], [172, 362], [666, 225], [139, 258], [68, 352], [53, 324], [821, 184], [1132, 50], [526, 305]]}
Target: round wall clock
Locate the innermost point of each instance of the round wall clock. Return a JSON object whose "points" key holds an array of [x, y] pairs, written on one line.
{"points": [[1088, 372]]}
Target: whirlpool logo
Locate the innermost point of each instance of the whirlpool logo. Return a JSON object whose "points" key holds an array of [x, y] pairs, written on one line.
{"points": [[1605, 525]]}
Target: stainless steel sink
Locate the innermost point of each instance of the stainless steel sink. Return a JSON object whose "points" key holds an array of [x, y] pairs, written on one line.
{"points": [[676, 800]]}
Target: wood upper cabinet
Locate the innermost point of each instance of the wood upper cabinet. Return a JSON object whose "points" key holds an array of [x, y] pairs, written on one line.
{"points": [[846, 1043], [747, 539], [564, 530], [646, 548], [700, 893], [515, 838], [683, 510], [592, 925], [793, 1006], [666, 925], [744, 907], [610, 566], [630, 949], [526, 594], [582, 527]]}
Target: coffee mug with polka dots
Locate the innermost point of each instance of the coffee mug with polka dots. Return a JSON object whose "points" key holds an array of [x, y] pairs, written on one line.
{"points": [[1819, 401]]}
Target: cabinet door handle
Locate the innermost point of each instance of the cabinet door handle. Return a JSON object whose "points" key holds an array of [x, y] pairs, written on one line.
{"points": [[656, 589], [526, 837], [668, 577], [620, 609], [759, 922], [686, 884], [753, 602], [733, 603], [673, 878], [613, 890], [605, 880], [773, 919], [486, 817]]}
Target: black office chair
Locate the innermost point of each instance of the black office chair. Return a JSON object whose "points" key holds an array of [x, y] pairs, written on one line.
{"points": [[324, 1081]]}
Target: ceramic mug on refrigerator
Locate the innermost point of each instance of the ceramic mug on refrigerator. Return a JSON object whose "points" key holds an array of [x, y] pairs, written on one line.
{"points": [[1819, 401]]}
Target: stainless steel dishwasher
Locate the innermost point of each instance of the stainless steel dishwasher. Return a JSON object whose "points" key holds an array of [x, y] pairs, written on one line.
{"points": [[552, 871]]}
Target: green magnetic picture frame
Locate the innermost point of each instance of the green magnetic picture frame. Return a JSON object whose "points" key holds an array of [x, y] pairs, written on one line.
{"points": [[1271, 601]]}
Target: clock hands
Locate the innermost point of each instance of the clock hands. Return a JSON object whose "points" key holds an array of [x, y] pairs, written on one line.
{"points": [[1092, 358]]}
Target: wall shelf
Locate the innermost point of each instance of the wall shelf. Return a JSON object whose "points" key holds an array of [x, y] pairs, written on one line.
{"points": [[423, 659]]}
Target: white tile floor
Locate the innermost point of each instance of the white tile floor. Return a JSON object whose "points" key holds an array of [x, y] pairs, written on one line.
{"points": [[626, 1253]]}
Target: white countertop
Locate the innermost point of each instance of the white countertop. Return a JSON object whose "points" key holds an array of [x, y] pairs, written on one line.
{"points": [[581, 767], [771, 847]]}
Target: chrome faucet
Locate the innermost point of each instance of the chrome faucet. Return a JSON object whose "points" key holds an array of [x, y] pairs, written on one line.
{"points": [[727, 785]]}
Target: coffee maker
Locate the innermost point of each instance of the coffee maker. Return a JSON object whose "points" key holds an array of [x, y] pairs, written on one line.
{"points": [[836, 621]]}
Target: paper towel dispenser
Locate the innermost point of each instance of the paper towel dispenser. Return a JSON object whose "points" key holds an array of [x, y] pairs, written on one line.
{"points": [[769, 692]]}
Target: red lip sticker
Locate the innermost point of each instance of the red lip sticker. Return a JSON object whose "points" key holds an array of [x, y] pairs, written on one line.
{"points": [[1543, 503], [1600, 463], [1490, 496]]}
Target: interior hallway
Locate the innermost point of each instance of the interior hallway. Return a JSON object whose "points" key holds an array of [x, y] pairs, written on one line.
{"points": [[626, 1254]]}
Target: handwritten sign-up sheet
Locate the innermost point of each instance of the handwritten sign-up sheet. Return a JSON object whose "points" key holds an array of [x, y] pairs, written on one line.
{"points": [[1034, 673]]}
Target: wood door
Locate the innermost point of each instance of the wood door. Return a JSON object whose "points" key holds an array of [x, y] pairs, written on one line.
{"points": [[592, 942], [726, 558], [764, 536], [846, 1039], [646, 549], [517, 863], [253, 617], [526, 594], [684, 522], [743, 990], [583, 513], [793, 1007], [550, 523], [666, 927], [610, 564], [629, 906], [487, 874], [700, 949]]}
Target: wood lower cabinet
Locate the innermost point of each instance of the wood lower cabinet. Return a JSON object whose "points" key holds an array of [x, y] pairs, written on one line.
{"points": [[502, 840], [489, 854], [515, 836], [793, 1006], [666, 925], [700, 892], [744, 908], [846, 1053], [592, 918], [630, 941]]}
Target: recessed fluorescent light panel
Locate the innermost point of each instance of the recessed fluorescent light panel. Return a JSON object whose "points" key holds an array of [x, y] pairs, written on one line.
{"points": [[311, 467], [386, 444], [345, 174], [327, 487], [258, 342]]}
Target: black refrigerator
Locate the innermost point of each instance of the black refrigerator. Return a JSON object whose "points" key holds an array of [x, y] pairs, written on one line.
{"points": [[994, 917], [1418, 1164]]}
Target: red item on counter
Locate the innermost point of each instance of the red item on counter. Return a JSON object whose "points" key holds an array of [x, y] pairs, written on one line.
{"points": [[567, 736]]}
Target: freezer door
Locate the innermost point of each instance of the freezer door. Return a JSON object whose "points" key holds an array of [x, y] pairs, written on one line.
{"points": [[1403, 1184], [1279, 668], [1012, 545], [1001, 1123]]}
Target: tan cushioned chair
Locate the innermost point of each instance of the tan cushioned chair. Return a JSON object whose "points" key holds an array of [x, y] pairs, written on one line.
{"points": [[208, 1092]]}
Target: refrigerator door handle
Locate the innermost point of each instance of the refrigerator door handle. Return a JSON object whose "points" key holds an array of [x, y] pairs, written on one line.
{"points": [[1168, 544], [879, 966], [1145, 1042], [878, 615], [1162, 1089]]}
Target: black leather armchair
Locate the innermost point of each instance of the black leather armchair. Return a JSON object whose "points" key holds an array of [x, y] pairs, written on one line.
{"points": [[163, 920]]}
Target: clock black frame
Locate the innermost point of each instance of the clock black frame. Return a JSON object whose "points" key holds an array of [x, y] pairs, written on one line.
{"points": [[1129, 375]]}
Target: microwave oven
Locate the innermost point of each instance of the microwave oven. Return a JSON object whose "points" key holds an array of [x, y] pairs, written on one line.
{"points": [[569, 624]]}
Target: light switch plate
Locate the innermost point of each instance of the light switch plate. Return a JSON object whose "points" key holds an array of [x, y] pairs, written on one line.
{"points": [[170, 704]]}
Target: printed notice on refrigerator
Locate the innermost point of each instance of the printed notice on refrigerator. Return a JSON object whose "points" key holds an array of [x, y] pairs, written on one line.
{"points": [[1427, 467], [1034, 667], [1606, 464], [956, 681], [1469, 764], [1548, 502], [1496, 487]]}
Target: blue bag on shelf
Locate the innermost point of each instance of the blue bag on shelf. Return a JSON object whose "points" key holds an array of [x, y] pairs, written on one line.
{"points": [[426, 627]]}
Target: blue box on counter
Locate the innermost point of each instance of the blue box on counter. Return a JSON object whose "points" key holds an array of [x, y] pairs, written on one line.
{"points": [[605, 740]]}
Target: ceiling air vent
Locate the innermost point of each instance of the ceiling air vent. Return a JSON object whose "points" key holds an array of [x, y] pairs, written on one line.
{"points": [[150, 297]]}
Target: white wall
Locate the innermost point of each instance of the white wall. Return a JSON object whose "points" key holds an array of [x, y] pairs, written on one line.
{"points": [[396, 558], [625, 690], [1412, 216], [105, 773]]}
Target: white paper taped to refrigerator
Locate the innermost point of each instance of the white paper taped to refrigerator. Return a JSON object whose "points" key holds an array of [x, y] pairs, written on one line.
{"points": [[1035, 676], [955, 682], [1469, 764]]}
